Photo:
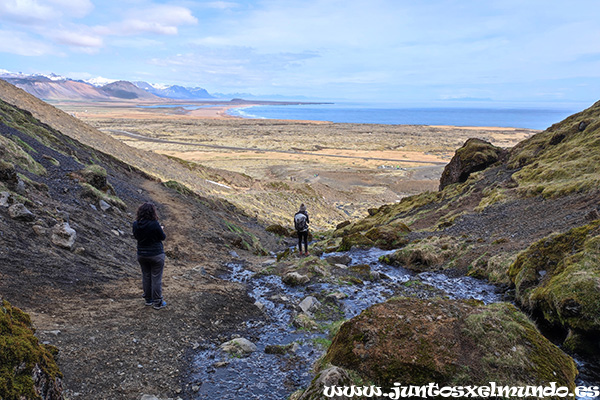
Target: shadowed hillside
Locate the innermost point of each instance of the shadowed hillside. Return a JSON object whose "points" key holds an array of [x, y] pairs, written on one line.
{"points": [[68, 259]]}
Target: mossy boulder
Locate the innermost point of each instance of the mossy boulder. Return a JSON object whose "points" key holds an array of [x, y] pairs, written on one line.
{"points": [[388, 237], [559, 277], [278, 230], [355, 240], [27, 368], [450, 342], [425, 255], [8, 173], [475, 155], [95, 175]]}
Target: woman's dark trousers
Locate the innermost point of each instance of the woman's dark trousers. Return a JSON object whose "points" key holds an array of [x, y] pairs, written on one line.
{"points": [[152, 271]]}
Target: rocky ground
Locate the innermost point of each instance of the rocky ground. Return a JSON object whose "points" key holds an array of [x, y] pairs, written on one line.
{"points": [[85, 299], [84, 296]]}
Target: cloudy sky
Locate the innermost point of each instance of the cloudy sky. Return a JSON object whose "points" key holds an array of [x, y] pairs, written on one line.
{"points": [[404, 51]]}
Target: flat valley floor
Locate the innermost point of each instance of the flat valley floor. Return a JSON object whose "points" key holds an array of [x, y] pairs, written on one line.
{"points": [[339, 170]]}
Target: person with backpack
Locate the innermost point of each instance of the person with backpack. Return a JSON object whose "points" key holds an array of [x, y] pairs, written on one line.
{"points": [[150, 253], [301, 222]]}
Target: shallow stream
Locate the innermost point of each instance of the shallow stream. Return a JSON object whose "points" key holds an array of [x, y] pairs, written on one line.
{"points": [[219, 375]]}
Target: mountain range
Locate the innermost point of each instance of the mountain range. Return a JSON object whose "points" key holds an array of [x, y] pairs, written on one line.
{"points": [[56, 87]]}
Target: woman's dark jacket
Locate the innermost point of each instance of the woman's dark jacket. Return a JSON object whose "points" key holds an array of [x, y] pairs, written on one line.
{"points": [[149, 235]]}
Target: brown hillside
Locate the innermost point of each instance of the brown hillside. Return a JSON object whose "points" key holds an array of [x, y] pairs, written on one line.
{"points": [[157, 165]]}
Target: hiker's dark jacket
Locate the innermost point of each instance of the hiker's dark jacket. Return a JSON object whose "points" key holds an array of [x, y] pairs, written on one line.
{"points": [[149, 236]]}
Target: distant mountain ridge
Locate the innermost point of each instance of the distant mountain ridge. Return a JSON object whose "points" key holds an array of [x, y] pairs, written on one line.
{"points": [[55, 87], [175, 91]]}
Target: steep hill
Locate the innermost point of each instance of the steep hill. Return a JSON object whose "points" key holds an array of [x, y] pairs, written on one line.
{"points": [[525, 218], [126, 90], [68, 258], [198, 178], [66, 89]]}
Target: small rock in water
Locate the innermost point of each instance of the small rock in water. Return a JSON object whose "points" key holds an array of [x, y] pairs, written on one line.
{"points": [[294, 279], [304, 321], [309, 305], [260, 305]]}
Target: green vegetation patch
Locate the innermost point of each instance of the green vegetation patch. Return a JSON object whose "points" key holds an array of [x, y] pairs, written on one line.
{"points": [[91, 192], [245, 240], [179, 188], [427, 254], [561, 160], [560, 276], [15, 154], [20, 353]]}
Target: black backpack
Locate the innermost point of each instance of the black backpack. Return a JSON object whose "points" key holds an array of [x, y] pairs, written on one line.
{"points": [[300, 222]]}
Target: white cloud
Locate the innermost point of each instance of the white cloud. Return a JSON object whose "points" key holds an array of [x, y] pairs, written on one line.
{"points": [[21, 44], [221, 5], [77, 38], [161, 19], [34, 12]]}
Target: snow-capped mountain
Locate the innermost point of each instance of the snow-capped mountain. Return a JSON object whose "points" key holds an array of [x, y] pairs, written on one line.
{"points": [[56, 87], [175, 91]]}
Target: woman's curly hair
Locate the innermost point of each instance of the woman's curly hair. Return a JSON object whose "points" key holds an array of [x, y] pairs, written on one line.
{"points": [[147, 211]]}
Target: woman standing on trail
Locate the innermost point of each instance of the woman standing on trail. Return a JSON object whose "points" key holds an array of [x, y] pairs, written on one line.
{"points": [[150, 253], [301, 222]]}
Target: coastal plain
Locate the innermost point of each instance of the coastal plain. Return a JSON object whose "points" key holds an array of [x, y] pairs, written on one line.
{"points": [[339, 169]]}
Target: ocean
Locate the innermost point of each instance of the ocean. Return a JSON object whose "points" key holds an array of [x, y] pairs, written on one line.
{"points": [[531, 118]]}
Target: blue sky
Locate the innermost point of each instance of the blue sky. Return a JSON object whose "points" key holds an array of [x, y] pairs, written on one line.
{"points": [[421, 52]]}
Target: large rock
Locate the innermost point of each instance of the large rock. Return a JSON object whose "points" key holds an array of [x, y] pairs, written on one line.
{"points": [[8, 173], [95, 175], [20, 213], [449, 342], [28, 369], [558, 277], [63, 235], [329, 377], [5, 199], [475, 155], [239, 347]]}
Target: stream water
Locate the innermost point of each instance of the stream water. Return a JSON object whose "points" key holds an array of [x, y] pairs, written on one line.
{"points": [[218, 375]]}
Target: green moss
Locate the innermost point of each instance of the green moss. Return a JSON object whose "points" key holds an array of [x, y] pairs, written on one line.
{"points": [[561, 160], [448, 342], [516, 344], [246, 240], [13, 153], [490, 197], [179, 188], [91, 192], [20, 352], [427, 254], [355, 240], [388, 237], [559, 276], [493, 269]]}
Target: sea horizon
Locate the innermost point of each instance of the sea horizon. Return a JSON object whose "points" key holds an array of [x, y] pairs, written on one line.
{"points": [[525, 117]]}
